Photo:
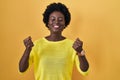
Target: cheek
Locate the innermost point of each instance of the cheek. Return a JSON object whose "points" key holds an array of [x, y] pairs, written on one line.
{"points": [[63, 23], [49, 23]]}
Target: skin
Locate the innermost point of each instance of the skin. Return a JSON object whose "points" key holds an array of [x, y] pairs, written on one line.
{"points": [[23, 64], [55, 19], [78, 44]]}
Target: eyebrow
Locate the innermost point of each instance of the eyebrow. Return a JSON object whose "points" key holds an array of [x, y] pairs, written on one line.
{"points": [[54, 17]]}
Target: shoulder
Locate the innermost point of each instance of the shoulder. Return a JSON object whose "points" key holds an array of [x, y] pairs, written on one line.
{"points": [[38, 41], [69, 41]]}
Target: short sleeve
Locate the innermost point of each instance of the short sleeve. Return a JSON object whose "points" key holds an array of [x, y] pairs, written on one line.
{"points": [[31, 56]]}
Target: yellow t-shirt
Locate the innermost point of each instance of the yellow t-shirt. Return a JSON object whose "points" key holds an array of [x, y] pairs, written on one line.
{"points": [[53, 60]]}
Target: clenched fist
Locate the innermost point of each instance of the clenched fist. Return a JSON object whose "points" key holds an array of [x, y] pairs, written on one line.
{"points": [[28, 42], [77, 45]]}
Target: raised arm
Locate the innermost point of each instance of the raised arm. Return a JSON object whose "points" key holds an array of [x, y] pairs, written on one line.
{"points": [[24, 61], [84, 65]]}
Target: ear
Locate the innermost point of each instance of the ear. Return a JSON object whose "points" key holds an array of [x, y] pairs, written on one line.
{"points": [[48, 26]]}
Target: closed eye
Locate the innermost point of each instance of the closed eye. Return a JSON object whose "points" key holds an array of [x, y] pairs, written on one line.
{"points": [[60, 19]]}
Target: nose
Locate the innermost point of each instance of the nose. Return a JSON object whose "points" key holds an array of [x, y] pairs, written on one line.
{"points": [[56, 21]]}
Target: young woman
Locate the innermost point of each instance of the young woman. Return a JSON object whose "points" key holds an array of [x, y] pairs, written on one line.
{"points": [[54, 55]]}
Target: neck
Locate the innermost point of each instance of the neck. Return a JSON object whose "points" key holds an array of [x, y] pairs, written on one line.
{"points": [[55, 37]]}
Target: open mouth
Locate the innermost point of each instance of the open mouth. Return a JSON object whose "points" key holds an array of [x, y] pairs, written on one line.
{"points": [[56, 26]]}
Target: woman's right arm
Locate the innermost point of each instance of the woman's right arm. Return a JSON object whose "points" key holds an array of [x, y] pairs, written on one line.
{"points": [[24, 61]]}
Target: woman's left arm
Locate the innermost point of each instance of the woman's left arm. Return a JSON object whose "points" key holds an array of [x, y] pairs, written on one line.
{"points": [[84, 65]]}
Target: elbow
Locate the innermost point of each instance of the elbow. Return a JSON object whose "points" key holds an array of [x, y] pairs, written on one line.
{"points": [[22, 68], [84, 68]]}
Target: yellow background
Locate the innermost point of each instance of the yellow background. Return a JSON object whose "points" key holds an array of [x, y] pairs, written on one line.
{"points": [[95, 22]]}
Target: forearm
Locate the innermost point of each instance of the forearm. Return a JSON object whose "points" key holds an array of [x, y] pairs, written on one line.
{"points": [[84, 65], [23, 64]]}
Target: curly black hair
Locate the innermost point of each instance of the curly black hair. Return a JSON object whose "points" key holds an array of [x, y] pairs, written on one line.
{"points": [[56, 7]]}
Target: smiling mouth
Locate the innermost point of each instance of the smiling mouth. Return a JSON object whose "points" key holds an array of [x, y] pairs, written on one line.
{"points": [[56, 26]]}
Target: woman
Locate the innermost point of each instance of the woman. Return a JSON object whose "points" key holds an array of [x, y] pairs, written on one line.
{"points": [[54, 55]]}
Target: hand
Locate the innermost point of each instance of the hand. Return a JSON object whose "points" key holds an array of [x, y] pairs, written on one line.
{"points": [[28, 42], [77, 45]]}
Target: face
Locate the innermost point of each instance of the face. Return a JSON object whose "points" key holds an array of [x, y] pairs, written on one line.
{"points": [[56, 22]]}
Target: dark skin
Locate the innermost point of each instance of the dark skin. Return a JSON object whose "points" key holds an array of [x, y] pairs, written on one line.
{"points": [[84, 65], [23, 64], [56, 19], [56, 25]]}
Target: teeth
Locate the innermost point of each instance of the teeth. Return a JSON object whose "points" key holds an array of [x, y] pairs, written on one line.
{"points": [[56, 26]]}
